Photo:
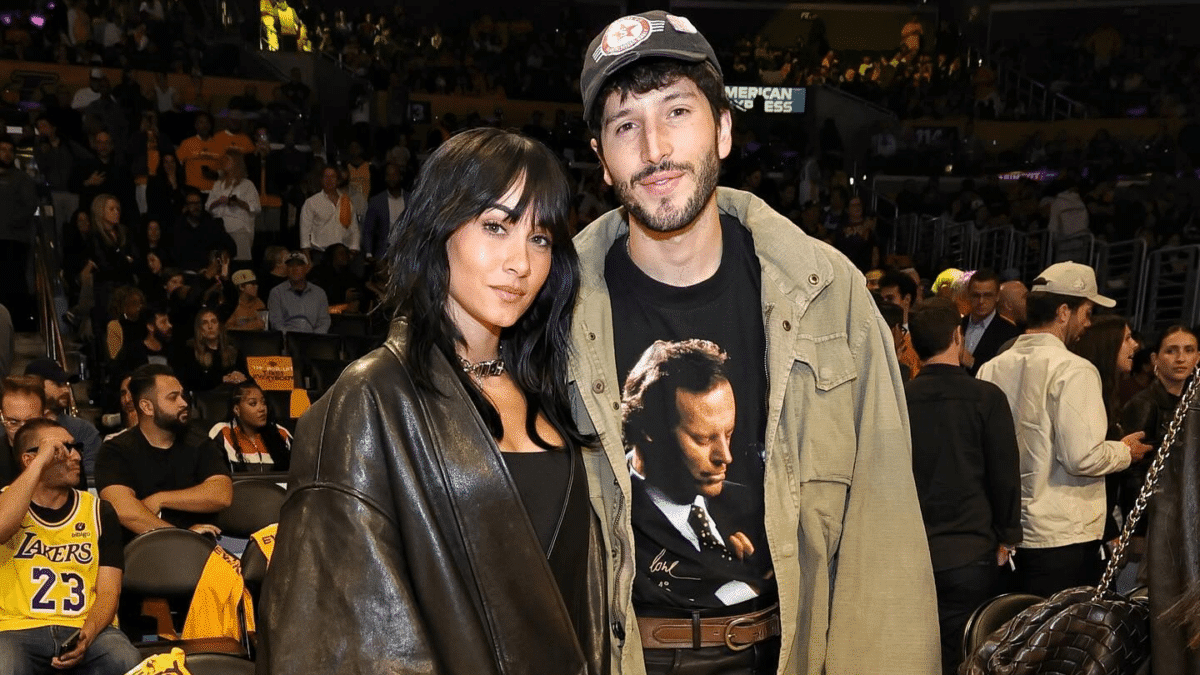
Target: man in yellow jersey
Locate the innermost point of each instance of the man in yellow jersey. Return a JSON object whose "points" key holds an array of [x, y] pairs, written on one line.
{"points": [[61, 562]]}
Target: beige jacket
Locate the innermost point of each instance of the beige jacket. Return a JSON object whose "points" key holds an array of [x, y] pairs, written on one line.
{"points": [[1058, 408], [856, 589]]}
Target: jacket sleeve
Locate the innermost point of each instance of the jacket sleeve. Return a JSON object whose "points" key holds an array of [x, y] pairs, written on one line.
{"points": [[1002, 467], [1080, 426], [883, 613], [340, 595]]}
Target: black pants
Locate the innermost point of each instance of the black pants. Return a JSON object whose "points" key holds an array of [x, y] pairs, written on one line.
{"points": [[759, 659], [14, 290], [1046, 571], [959, 591]]}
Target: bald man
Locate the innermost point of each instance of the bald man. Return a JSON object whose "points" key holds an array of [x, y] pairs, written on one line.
{"points": [[1011, 303]]}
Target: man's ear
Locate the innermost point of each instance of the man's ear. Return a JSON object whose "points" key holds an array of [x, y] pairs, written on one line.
{"points": [[724, 134], [144, 407], [603, 165]]}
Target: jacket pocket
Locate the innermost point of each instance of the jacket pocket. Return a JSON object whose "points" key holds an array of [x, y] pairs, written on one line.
{"points": [[819, 409]]}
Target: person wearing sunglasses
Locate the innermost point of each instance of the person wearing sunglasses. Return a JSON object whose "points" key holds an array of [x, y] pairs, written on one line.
{"points": [[61, 561]]}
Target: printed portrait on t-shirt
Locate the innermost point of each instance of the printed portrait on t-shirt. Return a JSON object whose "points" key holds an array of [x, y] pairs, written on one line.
{"points": [[697, 538]]}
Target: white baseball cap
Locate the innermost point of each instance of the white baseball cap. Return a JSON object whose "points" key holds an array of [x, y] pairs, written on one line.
{"points": [[1071, 278]]}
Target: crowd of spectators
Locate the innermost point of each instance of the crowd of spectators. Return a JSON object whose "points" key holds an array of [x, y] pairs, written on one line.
{"points": [[1113, 73]]}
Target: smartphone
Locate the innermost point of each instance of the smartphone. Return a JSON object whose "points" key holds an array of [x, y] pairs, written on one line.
{"points": [[67, 645]]}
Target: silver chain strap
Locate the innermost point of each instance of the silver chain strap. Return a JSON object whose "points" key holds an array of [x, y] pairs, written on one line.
{"points": [[1117, 561]]}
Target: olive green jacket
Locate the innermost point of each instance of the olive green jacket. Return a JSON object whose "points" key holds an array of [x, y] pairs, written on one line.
{"points": [[856, 589]]}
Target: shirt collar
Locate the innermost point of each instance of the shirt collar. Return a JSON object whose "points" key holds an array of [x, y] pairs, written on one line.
{"points": [[987, 321]]}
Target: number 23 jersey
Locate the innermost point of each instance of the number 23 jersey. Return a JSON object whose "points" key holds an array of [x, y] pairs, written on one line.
{"points": [[48, 568]]}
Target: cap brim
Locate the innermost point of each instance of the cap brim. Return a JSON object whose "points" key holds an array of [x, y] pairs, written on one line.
{"points": [[1103, 301]]}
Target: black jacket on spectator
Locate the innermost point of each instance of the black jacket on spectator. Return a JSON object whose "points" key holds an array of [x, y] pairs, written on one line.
{"points": [[118, 182], [164, 202], [965, 462], [195, 376], [190, 244], [999, 331], [116, 265], [1150, 410]]}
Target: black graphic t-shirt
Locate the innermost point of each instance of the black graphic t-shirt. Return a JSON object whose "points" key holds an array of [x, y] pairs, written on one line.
{"points": [[697, 502]]}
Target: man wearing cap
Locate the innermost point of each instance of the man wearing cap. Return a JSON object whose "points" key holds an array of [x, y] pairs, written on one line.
{"points": [[57, 387], [97, 87], [297, 305], [845, 582], [1058, 407], [247, 315]]}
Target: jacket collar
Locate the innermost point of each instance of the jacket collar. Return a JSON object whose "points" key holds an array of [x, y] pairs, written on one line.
{"points": [[789, 257]]}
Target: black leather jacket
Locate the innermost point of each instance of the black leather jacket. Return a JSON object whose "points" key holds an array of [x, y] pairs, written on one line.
{"points": [[403, 546], [1172, 565]]}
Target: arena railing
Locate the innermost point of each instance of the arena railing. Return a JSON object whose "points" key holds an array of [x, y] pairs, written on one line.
{"points": [[1121, 274], [1173, 285]]}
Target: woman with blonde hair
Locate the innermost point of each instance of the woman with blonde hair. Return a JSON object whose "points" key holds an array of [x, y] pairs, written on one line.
{"points": [[114, 255], [234, 199]]}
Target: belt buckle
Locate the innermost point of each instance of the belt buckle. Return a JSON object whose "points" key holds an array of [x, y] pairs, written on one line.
{"points": [[740, 621]]}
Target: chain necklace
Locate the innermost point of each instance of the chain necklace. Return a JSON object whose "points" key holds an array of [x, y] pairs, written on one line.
{"points": [[482, 369]]}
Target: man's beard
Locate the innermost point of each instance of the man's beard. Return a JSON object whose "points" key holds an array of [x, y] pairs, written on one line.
{"points": [[175, 423], [666, 219]]}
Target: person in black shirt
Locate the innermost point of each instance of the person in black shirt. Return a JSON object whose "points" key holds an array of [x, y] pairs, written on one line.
{"points": [[967, 469], [162, 473]]}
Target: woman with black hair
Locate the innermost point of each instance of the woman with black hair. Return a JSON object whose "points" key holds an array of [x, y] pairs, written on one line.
{"points": [[438, 517], [251, 438]]}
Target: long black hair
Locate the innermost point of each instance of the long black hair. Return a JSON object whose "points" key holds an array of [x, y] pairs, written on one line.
{"points": [[466, 176], [275, 444]]}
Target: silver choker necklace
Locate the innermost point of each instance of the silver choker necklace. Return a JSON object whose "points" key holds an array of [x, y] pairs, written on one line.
{"points": [[483, 368]]}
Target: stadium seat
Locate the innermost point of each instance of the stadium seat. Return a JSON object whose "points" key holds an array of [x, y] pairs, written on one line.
{"points": [[325, 372], [991, 616], [218, 664], [349, 324], [358, 346], [211, 406], [163, 567], [256, 504], [257, 343]]}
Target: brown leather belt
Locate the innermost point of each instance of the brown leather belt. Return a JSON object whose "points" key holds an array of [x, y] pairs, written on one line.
{"points": [[735, 632]]}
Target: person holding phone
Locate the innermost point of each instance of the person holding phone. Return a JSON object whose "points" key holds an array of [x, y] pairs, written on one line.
{"points": [[61, 563]]}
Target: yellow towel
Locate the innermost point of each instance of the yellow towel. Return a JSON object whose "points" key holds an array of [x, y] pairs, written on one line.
{"points": [[162, 664], [214, 609], [266, 540]]}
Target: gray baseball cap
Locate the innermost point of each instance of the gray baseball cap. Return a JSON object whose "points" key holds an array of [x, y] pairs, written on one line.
{"points": [[635, 37]]}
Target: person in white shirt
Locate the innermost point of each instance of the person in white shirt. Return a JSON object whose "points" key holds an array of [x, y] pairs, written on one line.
{"points": [[1058, 410], [97, 87], [234, 199], [328, 218]]}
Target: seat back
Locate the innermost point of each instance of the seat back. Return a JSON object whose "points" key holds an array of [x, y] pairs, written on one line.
{"points": [[990, 616], [212, 406], [257, 342], [165, 563], [349, 324], [308, 346], [217, 664], [255, 505], [358, 346]]}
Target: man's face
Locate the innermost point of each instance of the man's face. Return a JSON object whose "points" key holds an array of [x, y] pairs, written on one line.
{"points": [[296, 271], [60, 473], [58, 396], [702, 439], [661, 152], [1079, 321], [892, 294], [392, 176], [169, 409], [329, 179], [8, 154], [45, 129], [162, 327], [102, 144], [126, 397], [983, 296], [192, 206], [18, 409]]}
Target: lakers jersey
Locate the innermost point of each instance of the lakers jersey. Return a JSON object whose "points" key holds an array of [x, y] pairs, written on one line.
{"points": [[48, 570]]}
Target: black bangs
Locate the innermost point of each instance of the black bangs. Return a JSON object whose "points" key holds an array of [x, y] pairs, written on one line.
{"points": [[515, 160]]}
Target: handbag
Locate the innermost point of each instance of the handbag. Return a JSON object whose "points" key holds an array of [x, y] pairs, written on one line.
{"points": [[1084, 630]]}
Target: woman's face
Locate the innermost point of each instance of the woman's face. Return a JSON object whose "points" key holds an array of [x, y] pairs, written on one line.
{"points": [[1176, 358], [210, 326], [153, 232], [154, 263], [251, 411], [497, 267], [112, 212], [1125, 353], [83, 222]]}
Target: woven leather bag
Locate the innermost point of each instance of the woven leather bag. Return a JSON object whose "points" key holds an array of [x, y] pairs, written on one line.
{"points": [[1072, 633], [1084, 630]]}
